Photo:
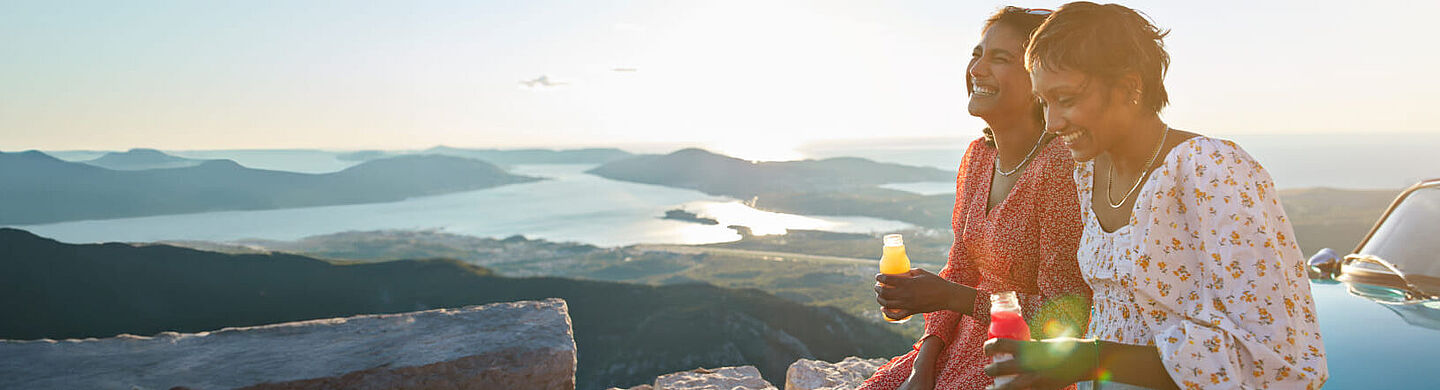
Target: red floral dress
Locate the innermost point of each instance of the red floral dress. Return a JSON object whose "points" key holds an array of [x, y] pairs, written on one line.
{"points": [[1026, 244]]}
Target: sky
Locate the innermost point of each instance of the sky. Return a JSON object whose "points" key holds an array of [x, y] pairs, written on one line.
{"points": [[758, 79]]}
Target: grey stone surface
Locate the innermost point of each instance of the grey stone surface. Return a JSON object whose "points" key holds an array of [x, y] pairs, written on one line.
{"points": [[528, 344], [806, 374], [726, 378]]}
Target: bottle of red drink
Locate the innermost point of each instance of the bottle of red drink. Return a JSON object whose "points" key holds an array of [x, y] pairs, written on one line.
{"points": [[1006, 323]]}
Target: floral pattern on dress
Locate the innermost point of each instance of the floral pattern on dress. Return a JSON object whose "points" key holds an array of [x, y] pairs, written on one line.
{"points": [[1207, 271], [1025, 244]]}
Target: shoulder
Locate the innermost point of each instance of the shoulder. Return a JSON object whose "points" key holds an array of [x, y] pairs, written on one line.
{"points": [[1201, 149], [1054, 161], [1055, 156], [978, 144], [1206, 159], [977, 149]]}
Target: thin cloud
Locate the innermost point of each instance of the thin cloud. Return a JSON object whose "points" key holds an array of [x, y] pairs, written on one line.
{"points": [[544, 81]]}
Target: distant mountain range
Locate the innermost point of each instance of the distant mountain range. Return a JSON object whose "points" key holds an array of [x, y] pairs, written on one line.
{"points": [[626, 333], [718, 174], [508, 157], [141, 159], [39, 188]]}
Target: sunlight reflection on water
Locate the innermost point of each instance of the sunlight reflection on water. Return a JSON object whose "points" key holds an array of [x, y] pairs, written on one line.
{"points": [[572, 206]]}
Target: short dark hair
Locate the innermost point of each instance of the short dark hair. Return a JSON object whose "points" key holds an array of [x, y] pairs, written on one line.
{"points": [[1108, 41]]}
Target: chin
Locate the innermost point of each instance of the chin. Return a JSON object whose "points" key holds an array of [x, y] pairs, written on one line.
{"points": [[977, 109], [1081, 156], [1082, 152]]}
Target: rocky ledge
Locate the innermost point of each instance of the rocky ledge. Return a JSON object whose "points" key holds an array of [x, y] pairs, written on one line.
{"points": [[804, 374], [527, 344]]}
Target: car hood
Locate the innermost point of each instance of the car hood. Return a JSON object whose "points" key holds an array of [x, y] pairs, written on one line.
{"points": [[1370, 344]]}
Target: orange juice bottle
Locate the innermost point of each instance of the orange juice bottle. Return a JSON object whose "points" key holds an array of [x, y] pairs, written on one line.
{"points": [[894, 262]]}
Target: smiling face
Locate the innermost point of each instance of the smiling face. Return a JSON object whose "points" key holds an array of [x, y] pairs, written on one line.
{"points": [[999, 85], [1089, 115]]}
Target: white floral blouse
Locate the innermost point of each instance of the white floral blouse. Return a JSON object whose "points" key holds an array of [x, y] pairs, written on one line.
{"points": [[1207, 270]]}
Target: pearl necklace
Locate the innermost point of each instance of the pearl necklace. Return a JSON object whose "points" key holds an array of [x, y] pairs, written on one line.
{"points": [[1024, 161]]}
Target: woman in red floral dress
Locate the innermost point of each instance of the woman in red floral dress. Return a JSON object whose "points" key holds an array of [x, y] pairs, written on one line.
{"points": [[1016, 221]]}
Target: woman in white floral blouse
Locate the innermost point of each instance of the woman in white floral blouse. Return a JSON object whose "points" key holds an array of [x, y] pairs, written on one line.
{"points": [[1198, 282]]}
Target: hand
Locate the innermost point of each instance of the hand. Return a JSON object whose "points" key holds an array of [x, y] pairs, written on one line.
{"points": [[920, 291], [1046, 364], [920, 379]]}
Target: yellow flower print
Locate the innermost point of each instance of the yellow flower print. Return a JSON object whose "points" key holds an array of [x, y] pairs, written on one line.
{"points": [[1235, 269], [1182, 273]]}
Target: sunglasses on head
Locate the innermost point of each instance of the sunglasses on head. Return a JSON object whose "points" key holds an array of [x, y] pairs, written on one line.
{"points": [[1029, 11]]}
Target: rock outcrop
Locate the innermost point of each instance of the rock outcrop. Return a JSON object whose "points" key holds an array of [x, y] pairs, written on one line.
{"points": [[527, 344], [807, 374], [726, 378]]}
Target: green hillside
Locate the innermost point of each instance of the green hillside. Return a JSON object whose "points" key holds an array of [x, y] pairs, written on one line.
{"points": [[626, 333]]}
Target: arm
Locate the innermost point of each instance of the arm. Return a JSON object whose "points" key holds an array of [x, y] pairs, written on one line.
{"points": [[944, 324], [1059, 362], [1064, 297], [1229, 302]]}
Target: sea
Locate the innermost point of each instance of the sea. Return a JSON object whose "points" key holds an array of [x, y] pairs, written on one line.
{"points": [[569, 206], [574, 206]]}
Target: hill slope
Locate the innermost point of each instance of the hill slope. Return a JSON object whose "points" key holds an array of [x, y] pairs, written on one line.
{"points": [[141, 159], [626, 334], [42, 189], [834, 186], [723, 175]]}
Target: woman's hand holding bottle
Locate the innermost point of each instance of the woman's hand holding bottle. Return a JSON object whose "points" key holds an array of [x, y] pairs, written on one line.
{"points": [[920, 291]]}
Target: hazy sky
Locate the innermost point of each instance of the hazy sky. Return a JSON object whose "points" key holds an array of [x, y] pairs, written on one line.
{"points": [[751, 77]]}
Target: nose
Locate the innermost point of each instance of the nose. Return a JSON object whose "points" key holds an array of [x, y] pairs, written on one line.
{"points": [[1054, 122], [974, 69]]}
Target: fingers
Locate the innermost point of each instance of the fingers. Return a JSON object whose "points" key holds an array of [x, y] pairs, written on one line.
{"points": [[1028, 381], [1008, 367], [994, 346], [892, 280]]}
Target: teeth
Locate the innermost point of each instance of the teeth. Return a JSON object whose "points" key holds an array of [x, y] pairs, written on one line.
{"points": [[979, 90], [1070, 137]]}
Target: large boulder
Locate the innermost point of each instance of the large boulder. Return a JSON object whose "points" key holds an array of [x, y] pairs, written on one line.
{"points": [[528, 344], [806, 374], [726, 378]]}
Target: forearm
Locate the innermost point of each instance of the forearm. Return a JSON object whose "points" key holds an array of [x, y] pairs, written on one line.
{"points": [[1133, 364], [929, 354]]}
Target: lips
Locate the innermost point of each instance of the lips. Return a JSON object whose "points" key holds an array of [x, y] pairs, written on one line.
{"points": [[983, 90]]}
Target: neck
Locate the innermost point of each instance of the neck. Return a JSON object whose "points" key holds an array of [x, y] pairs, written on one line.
{"points": [[1015, 138], [1132, 154]]}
